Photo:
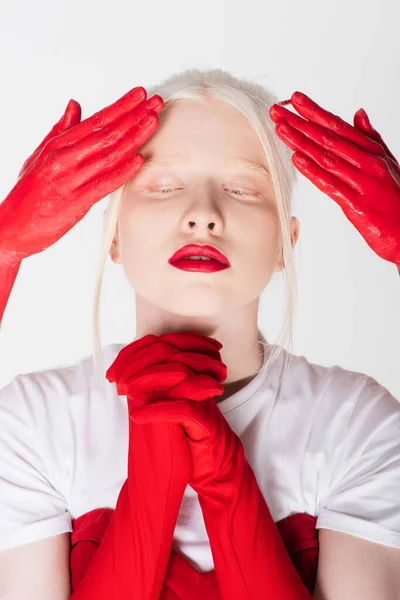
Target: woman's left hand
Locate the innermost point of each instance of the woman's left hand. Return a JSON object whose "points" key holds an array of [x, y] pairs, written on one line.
{"points": [[352, 165]]}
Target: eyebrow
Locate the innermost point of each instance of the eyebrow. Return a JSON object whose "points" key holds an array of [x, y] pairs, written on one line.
{"points": [[238, 162]]}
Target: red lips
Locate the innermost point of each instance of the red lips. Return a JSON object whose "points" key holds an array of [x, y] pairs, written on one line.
{"points": [[197, 250]]}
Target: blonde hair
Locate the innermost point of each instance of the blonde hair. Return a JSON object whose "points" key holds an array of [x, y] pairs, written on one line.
{"points": [[254, 102]]}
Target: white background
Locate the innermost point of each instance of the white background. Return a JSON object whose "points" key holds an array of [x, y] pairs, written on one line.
{"points": [[344, 54]]}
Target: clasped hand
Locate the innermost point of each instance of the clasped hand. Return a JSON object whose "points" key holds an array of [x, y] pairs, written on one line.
{"points": [[174, 378]]}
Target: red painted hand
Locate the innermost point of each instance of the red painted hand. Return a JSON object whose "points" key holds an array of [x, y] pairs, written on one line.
{"points": [[77, 164], [352, 165]]}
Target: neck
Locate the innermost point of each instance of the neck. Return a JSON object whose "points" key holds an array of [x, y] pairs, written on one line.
{"points": [[236, 331]]}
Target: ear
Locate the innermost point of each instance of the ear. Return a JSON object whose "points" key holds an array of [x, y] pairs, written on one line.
{"points": [[294, 236], [114, 251]]}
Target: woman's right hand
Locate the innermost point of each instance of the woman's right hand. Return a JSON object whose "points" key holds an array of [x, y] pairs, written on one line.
{"points": [[77, 164]]}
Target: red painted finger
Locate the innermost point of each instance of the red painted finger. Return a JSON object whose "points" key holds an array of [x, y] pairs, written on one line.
{"points": [[110, 136], [346, 197], [328, 139], [311, 111], [376, 215], [107, 115], [108, 182], [155, 103], [96, 163], [333, 163], [71, 116], [362, 122]]}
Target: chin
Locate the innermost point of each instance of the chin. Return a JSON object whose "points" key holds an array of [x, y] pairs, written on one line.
{"points": [[197, 305], [194, 312]]}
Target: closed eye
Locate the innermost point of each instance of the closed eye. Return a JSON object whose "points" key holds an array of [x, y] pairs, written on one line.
{"points": [[239, 192], [168, 190]]}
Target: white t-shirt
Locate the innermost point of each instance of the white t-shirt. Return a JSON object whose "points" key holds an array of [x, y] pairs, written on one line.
{"points": [[324, 441]]}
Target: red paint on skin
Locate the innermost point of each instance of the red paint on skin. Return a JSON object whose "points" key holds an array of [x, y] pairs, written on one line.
{"points": [[76, 165], [67, 174], [350, 164]]}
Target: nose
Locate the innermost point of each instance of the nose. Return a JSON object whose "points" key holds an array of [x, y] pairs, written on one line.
{"points": [[204, 215], [211, 225]]}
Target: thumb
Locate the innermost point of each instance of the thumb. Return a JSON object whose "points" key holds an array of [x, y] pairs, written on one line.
{"points": [[71, 116], [363, 124]]}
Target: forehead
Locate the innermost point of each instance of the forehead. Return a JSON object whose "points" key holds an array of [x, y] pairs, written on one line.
{"points": [[210, 126]]}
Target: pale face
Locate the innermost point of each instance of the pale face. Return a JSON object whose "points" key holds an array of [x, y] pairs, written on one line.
{"points": [[204, 196]]}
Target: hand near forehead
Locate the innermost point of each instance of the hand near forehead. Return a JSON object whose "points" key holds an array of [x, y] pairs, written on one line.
{"points": [[351, 164], [77, 164]]}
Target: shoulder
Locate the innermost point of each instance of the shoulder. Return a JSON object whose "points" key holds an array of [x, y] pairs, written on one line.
{"points": [[332, 398], [49, 419], [34, 395], [303, 377]]}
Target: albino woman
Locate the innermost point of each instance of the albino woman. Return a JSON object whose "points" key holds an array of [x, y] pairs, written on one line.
{"points": [[219, 465]]}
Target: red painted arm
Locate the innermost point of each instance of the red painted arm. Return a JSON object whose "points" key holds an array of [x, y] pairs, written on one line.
{"points": [[8, 274], [77, 164]]}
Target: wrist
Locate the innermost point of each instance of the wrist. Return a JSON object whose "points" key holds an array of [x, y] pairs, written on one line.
{"points": [[226, 481], [10, 226], [9, 259], [9, 268]]}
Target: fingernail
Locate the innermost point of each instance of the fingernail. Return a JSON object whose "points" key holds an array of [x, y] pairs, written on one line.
{"points": [[153, 102], [366, 117], [138, 93], [284, 127], [301, 159], [300, 98], [146, 121], [276, 109]]}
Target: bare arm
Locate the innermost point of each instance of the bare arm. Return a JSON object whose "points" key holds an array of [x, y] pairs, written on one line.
{"points": [[351, 567], [36, 571]]}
